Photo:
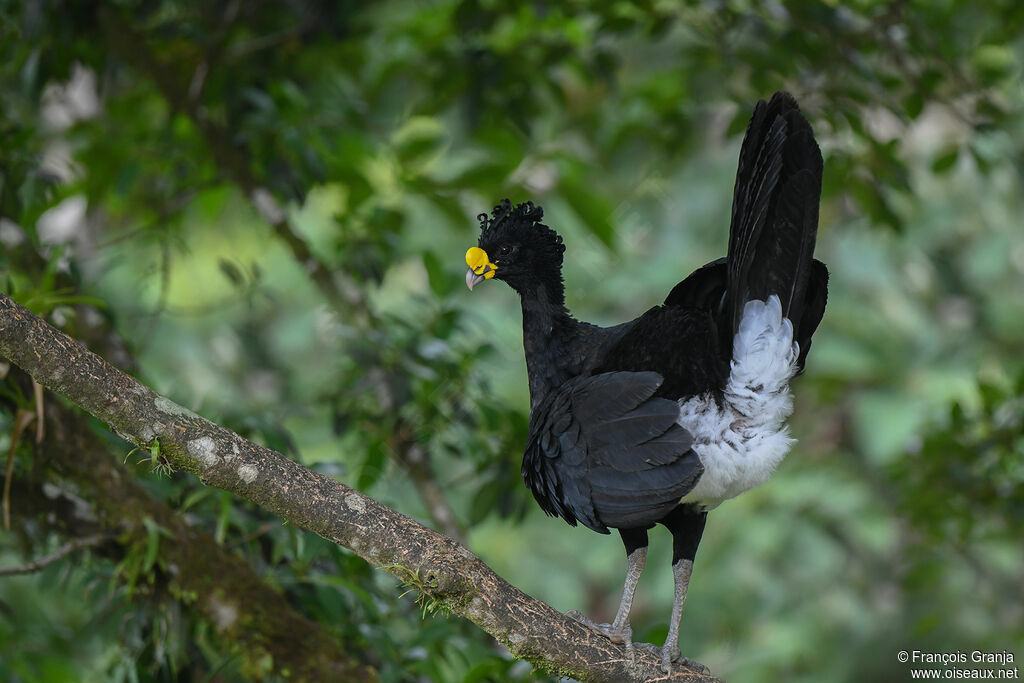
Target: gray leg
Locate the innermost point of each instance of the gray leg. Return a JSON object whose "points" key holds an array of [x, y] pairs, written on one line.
{"points": [[670, 653], [681, 571], [686, 523], [634, 568], [619, 631]]}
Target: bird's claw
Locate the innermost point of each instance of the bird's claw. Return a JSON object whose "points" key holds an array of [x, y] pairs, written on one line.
{"points": [[694, 664], [622, 635], [670, 656]]}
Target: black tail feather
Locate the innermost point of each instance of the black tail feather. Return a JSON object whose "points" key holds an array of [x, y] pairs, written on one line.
{"points": [[813, 309], [775, 216]]}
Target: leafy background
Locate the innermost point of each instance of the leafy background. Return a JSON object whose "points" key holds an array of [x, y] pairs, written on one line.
{"points": [[155, 157]]}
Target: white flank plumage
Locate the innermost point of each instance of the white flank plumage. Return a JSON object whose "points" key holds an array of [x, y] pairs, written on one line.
{"points": [[742, 440]]}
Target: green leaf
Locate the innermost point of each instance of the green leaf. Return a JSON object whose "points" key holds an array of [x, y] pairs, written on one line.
{"points": [[232, 272], [946, 160], [738, 123], [439, 274], [593, 210], [153, 531], [913, 105], [484, 502], [194, 498], [993, 61], [373, 465]]}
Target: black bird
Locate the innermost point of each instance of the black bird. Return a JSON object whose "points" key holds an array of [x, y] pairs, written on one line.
{"points": [[660, 419]]}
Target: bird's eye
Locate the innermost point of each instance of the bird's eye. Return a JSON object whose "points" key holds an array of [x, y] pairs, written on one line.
{"points": [[505, 250]]}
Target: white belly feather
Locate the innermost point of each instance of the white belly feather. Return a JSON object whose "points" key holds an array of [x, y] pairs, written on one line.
{"points": [[742, 440]]}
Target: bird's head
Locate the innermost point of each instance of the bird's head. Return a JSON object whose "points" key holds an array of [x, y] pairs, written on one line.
{"points": [[516, 247]]}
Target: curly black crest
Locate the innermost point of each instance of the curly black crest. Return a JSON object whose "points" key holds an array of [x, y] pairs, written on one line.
{"points": [[505, 216]]}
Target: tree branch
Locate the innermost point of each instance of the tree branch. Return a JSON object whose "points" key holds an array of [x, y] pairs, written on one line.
{"points": [[445, 572], [60, 553]]}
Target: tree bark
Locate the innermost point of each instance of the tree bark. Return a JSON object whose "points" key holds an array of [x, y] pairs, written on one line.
{"points": [[449, 576]]}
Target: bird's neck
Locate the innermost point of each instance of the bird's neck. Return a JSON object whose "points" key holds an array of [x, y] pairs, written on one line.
{"points": [[549, 335]]}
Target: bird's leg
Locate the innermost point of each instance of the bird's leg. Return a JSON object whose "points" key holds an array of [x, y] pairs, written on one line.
{"points": [[681, 572], [687, 526], [619, 631], [634, 568]]}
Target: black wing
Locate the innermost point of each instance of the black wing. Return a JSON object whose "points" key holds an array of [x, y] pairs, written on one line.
{"points": [[603, 451], [679, 343], [703, 289]]}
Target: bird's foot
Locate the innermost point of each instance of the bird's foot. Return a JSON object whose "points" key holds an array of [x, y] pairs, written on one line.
{"points": [[616, 635], [672, 655]]}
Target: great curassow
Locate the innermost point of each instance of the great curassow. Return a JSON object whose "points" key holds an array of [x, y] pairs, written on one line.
{"points": [[660, 419]]}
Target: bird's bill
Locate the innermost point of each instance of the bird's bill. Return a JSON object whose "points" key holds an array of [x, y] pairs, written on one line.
{"points": [[480, 267]]}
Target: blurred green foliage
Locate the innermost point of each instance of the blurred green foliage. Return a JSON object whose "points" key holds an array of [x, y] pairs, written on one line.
{"points": [[136, 134]]}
